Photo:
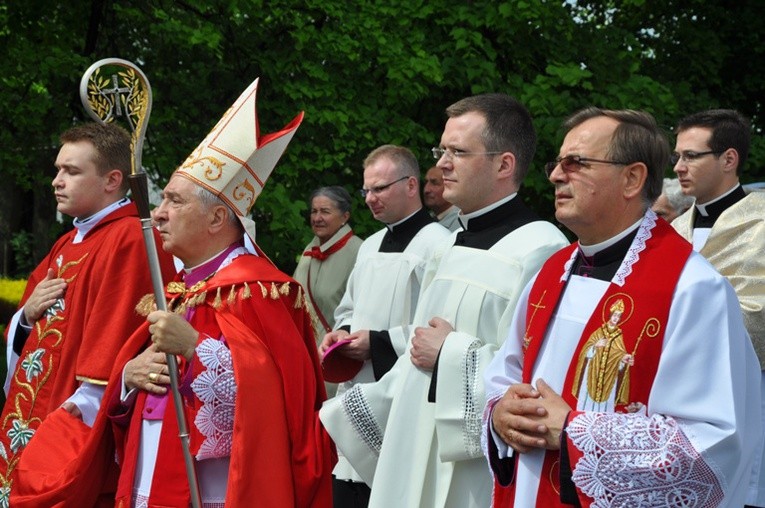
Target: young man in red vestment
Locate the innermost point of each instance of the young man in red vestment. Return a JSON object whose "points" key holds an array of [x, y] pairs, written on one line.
{"points": [[250, 376], [596, 397], [76, 312]]}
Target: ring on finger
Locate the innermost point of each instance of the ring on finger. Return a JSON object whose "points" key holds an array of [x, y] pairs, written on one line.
{"points": [[153, 377]]}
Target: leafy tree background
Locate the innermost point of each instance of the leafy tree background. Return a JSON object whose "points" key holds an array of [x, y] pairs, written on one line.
{"points": [[365, 73]]}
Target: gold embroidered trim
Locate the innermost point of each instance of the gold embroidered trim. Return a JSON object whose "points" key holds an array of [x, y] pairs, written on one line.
{"points": [[145, 305], [93, 381]]}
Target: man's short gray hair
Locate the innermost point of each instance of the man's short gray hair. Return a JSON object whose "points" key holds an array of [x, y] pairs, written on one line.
{"points": [[209, 200]]}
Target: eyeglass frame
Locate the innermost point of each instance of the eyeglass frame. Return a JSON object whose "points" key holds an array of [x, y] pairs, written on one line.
{"points": [[690, 155], [581, 162], [438, 153], [377, 189]]}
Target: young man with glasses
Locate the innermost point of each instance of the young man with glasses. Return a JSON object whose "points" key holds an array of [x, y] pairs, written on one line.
{"points": [[384, 285], [627, 378], [420, 424], [726, 225]]}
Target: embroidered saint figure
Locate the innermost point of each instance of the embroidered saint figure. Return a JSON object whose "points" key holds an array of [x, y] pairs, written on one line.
{"points": [[602, 375]]}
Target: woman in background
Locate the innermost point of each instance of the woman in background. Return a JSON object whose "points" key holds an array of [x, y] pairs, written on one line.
{"points": [[328, 259]]}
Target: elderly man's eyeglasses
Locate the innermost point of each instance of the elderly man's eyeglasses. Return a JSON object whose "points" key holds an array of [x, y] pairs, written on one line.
{"points": [[451, 154], [571, 163], [690, 155], [379, 188]]}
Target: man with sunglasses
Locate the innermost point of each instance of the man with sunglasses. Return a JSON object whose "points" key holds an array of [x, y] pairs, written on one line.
{"points": [[627, 378], [726, 225], [416, 432], [384, 285]]}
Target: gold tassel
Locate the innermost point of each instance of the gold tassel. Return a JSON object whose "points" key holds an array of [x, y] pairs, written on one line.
{"points": [[246, 293], [217, 303], [145, 305], [231, 295], [263, 289], [300, 300], [285, 289], [274, 292]]}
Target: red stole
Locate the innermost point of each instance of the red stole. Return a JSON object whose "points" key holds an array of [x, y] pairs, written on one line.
{"points": [[645, 305]]}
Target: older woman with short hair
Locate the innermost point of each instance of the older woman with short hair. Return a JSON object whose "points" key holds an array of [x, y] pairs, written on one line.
{"points": [[328, 259]]}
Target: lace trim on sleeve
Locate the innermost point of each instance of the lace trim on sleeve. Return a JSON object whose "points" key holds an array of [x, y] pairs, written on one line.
{"points": [[360, 415], [634, 460], [471, 424], [216, 388]]}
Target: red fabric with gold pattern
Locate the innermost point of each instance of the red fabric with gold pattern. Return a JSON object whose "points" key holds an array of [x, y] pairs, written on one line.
{"points": [[78, 340], [281, 455], [644, 311]]}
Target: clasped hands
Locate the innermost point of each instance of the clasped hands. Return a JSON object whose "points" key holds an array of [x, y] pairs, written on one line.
{"points": [[426, 343], [170, 334], [527, 418]]}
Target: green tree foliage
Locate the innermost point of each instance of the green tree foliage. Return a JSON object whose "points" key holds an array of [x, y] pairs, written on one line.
{"points": [[365, 73]]}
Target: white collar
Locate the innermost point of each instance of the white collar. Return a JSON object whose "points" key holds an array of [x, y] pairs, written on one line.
{"points": [[591, 250], [464, 218], [702, 208], [85, 225]]}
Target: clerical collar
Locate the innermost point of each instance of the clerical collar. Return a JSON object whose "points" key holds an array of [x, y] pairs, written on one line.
{"points": [[591, 250], [464, 218], [709, 212], [85, 225], [203, 270], [492, 223], [602, 260], [393, 225], [401, 233]]}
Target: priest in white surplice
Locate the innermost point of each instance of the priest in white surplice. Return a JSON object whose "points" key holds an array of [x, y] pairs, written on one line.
{"points": [[726, 225], [628, 378], [414, 434], [384, 285]]}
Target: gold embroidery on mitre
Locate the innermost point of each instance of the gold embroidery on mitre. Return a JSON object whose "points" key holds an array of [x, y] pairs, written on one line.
{"points": [[605, 359], [213, 169], [245, 190]]}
